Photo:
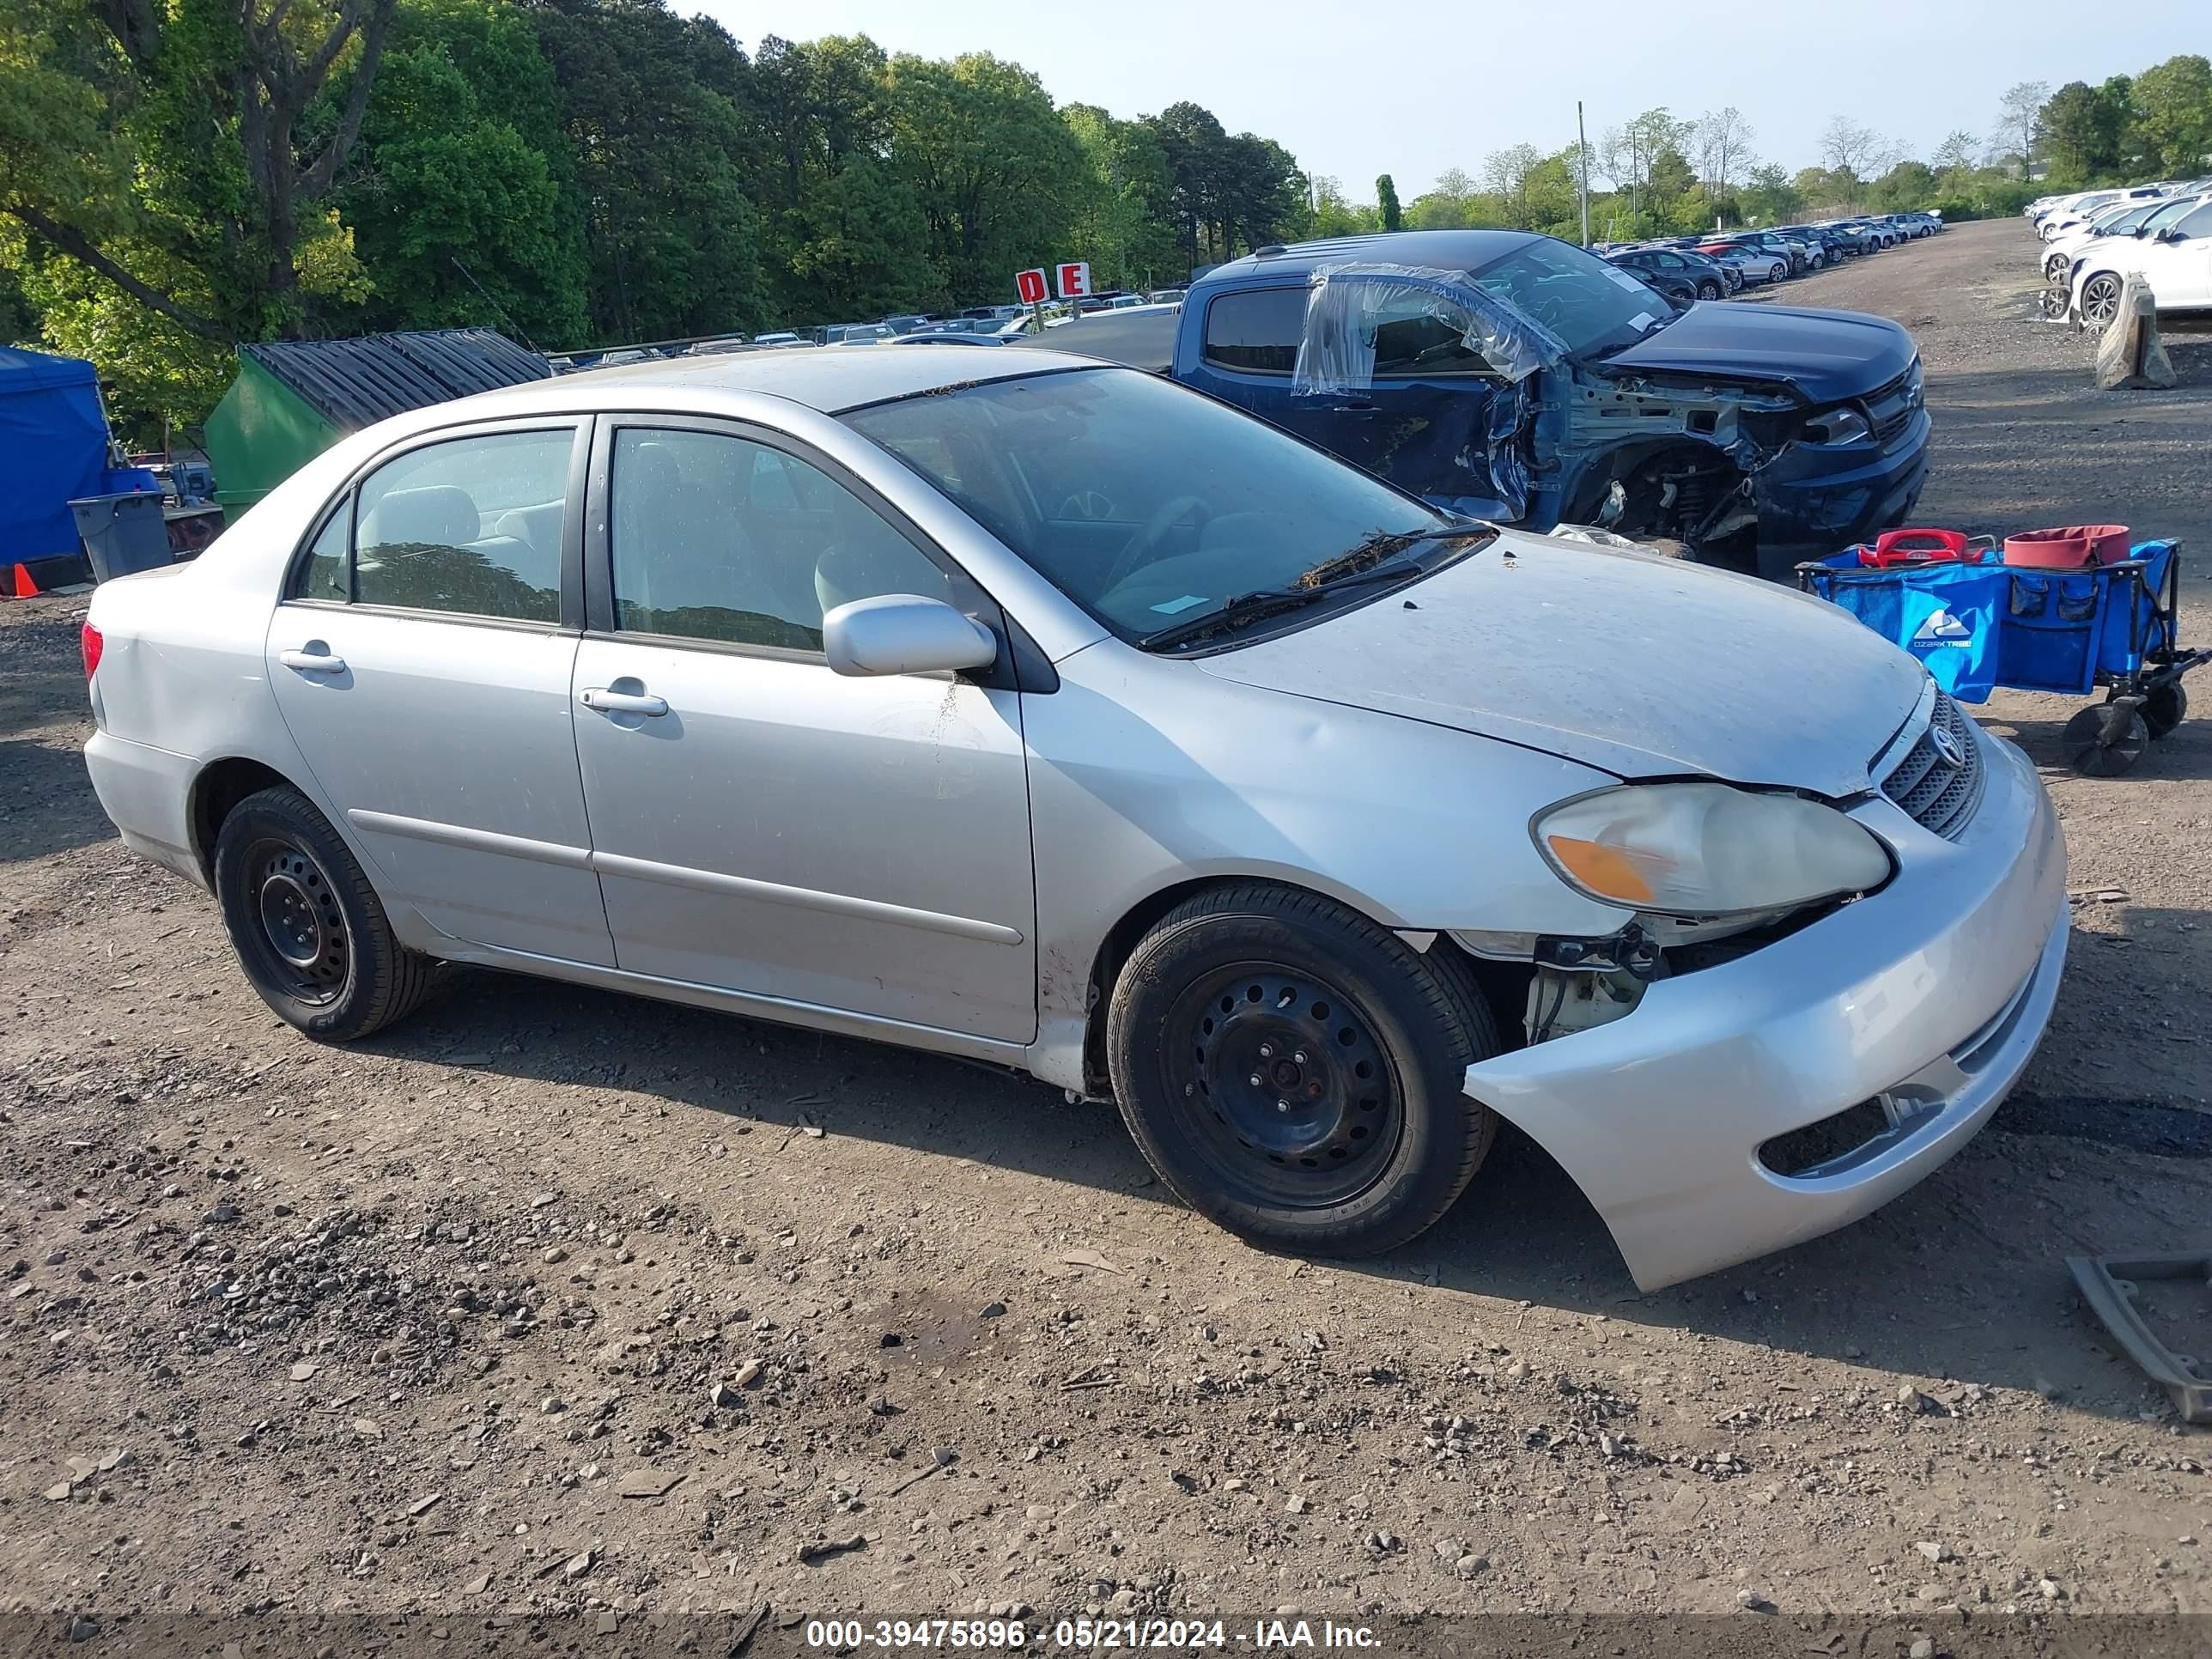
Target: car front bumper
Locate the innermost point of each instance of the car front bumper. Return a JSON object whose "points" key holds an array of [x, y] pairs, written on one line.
{"points": [[1933, 992], [1814, 501]]}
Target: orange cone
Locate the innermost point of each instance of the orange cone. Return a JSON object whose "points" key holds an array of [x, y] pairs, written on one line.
{"points": [[25, 587]]}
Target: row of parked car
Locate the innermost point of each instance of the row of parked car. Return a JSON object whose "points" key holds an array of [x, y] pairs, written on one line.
{"points": [[1685, 269], [2094, 241], [976, 325]]}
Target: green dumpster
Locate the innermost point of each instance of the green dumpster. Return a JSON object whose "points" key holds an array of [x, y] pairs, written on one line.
{"points": [[294, 399]]}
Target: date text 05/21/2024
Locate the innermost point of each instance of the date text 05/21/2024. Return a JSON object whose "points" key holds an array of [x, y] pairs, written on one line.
{"points": [[1089, 1635]]}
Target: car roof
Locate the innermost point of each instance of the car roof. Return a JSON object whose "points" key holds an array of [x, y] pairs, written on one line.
{"points": [[828, 381], [1439, 250]]}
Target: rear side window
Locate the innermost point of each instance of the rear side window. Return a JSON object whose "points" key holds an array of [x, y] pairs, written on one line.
{"points": [[470, 526], [2198, 223], [1257, 331]]}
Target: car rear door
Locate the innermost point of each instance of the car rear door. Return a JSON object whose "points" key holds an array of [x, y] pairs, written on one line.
{"points": [[1428, 424], [421, 660], [760, 824]]}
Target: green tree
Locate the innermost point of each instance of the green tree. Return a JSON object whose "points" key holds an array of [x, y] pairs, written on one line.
{"points": [[465, 209], [1121, 220], [997, 174], [2082, 126], [1386, 204], [1335, 215], [1770, 197], [2173, 114]]}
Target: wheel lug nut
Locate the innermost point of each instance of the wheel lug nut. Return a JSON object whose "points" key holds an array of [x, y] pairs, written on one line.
{"points": [[1299, 1058], [1282, 1105], [1266, 1051], [1257, 1079]]}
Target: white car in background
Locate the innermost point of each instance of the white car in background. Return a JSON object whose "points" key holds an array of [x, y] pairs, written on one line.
{"points": [[2078, 210], [2113, 218], [2174, 260]]}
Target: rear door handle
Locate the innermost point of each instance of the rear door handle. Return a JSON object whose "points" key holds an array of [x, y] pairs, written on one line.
{"points": [[312, 662], [623, 702]]}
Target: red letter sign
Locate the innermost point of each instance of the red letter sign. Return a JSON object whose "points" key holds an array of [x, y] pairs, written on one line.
{"points": [[1074, 280], [1029, 284]]}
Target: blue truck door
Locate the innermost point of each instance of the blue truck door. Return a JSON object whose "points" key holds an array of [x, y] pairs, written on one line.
{"points": [[1432, 422]]}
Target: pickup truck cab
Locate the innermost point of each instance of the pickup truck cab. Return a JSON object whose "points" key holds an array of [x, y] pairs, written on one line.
{"points": [[1517, 378]]}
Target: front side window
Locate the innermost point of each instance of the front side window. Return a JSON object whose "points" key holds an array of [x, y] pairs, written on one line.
{"points": [[1144, 503], [717, 538], [1257, 331], [2198, 223], [471, 526]]}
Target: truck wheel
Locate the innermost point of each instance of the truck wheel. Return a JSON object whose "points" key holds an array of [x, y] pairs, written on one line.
{"points": [[308, 929], [1294, 1071]]}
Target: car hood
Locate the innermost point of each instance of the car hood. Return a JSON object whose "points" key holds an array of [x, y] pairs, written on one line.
{"points": [[1824, 355], [1640, 666]]}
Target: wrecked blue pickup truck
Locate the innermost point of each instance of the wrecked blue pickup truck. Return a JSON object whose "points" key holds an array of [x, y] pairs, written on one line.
{"points": [[1515, 377]]}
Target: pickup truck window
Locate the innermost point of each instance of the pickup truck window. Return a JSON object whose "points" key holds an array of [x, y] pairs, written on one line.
{"points": [[1257, 330]]}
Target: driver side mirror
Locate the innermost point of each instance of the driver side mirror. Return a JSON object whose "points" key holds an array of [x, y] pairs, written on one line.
{"points": [[905, 634]]}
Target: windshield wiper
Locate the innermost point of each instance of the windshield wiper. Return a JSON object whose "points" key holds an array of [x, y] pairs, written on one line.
{"points": [[1375, 559]]}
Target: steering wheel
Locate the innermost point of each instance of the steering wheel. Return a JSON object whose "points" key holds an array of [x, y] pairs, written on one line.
{"points": [[1171, 512]]}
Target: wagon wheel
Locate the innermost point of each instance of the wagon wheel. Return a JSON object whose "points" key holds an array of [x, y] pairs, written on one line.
{"points": [[2105, 739], [2165, 707]]}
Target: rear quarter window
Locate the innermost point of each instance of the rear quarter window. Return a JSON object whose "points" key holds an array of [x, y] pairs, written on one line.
{"points": [[1256, 330]]}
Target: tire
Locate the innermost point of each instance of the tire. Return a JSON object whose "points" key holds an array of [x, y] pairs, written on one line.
{"points": [[1812, 262], [308, 928], [1708, 289], [1381, 1141], [2165, 708], [2100, 298], [2104, 740]]}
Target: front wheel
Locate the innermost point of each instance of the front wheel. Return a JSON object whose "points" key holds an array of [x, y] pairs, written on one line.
{"points": [[2100, 298], [1709, 290], [308, 928], [1294, 1071]]}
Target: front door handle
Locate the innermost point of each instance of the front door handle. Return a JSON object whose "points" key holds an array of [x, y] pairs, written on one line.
{"points": [[623, 702], [312, 662]]}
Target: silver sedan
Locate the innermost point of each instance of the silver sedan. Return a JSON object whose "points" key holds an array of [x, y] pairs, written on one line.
{"points": [[1013, 706]]}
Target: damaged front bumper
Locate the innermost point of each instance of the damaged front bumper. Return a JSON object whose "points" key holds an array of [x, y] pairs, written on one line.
{"points": [[1926, 999], [1814, 500]]}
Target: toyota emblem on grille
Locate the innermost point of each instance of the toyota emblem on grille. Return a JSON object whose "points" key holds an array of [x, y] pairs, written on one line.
{"points": [[1948, 749]]}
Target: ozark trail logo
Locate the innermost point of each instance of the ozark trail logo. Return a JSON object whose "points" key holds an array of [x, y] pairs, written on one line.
{"points": [[1943, 628]]}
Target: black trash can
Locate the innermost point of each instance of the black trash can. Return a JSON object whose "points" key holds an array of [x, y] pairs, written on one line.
{"points": [[123, 534]]}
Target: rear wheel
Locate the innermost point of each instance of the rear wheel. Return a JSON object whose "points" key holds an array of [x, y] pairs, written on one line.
{"points": [[308, 928], [1294, 1071], [1708, 289], [2165, 708]]}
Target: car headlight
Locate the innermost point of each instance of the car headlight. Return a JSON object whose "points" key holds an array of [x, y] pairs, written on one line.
{"points": [[1837, 426], [1704, 849]]}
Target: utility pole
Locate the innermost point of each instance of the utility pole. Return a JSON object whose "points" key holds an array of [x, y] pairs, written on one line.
{"points": [[1582, 169]]}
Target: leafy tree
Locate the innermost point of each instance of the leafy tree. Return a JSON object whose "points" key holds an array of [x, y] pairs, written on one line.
{"points": [[2173, 114], [858, 246], [1770, 196], [1625, 154], [1957, 152], [1334, 216], [1908, 185], [1386, 204], [997, 174], [1191, 141], [1506, 174], [1449, 204], [2083, 127], [1121, 224]]}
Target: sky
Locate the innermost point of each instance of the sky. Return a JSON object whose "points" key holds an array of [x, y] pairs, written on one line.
{"points": [[1354, 90]]}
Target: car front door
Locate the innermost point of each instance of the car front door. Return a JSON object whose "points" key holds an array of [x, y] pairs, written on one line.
{"points": [[759, 823], [421, 660], [1429, 420], [2184, 281]]}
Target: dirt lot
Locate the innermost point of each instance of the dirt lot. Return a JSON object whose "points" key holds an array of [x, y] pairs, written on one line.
{"points": [[553, 1300]]}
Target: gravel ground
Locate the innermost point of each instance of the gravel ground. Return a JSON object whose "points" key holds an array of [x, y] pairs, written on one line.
{"points": [[553, 1302]]}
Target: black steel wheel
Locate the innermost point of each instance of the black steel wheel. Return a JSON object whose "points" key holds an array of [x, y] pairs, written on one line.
{"points": [[2105, 739], [308, 928], [2100, 298], [1294, 1071], [2165, 707]]}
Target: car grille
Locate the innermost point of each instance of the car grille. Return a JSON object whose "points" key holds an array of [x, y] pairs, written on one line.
{"points": [[1891, 408], [1937, 796]]}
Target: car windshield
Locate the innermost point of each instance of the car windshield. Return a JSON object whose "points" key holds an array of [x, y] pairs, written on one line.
{"points": [[1591, 307], [1149, 506]]}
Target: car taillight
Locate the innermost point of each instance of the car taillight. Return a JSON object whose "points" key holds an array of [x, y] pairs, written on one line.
{"points": [[89, 642]]}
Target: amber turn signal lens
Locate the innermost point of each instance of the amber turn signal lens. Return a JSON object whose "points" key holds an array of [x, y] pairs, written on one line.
{"points": [[1601, 869]]}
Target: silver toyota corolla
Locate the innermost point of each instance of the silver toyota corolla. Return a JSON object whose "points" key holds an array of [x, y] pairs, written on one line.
{"points": [[1014, 706]]}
